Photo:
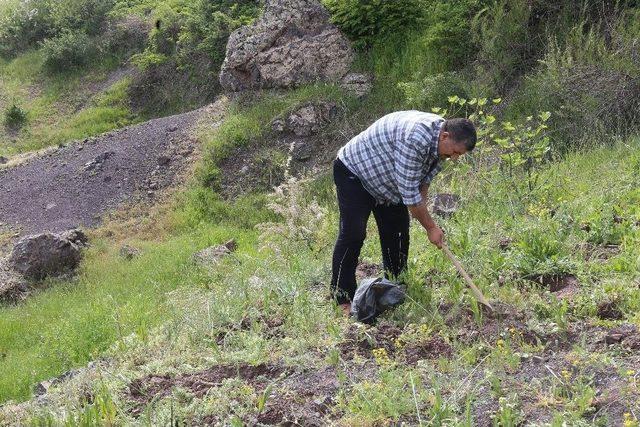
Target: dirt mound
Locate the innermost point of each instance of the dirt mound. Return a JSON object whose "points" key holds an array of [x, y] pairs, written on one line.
{"points": [[365, 342], [76, 185], [304, 398], [295, 398], [143, 390]]}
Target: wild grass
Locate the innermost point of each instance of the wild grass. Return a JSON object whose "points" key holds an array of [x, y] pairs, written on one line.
{"points": [[248, 125], [160, 312], [72, 322], [60, 108]]}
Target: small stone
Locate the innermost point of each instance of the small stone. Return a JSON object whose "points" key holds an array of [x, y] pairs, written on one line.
{"points": [[76, 236], [172, 128], [358, 84], [505, 243], [301, 152], [210, 256], [97, 161], [3, 160], [129, 252], [164, 160], [186, 152], [232, 245], [278, 125], [445, 204], [309, 118]]}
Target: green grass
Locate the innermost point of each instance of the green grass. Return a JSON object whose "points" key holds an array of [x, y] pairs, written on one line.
{"points": [[72, 323], [248, 125], [59, 108]]}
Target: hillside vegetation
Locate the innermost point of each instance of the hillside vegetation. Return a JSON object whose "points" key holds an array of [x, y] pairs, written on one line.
{"points": [[549, 225]]}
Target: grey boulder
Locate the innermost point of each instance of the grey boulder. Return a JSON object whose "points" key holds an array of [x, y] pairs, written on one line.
{"points": [[291, 44], [307, 119], [47, 254]]}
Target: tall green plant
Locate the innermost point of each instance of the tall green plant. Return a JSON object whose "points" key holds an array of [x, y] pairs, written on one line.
{"points": [[522, 147]]}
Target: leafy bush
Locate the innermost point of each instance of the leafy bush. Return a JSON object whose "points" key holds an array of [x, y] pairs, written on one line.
{"points": [[27, 23], [126, 35], [592, 82], [14, 116], [89, 16], [540, 252], [447, 29], [22, 26], [365, 21], [434, 90], [68, 51]]}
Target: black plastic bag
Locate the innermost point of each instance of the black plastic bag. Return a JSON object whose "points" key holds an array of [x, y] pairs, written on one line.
{"points": [[373, 297]]}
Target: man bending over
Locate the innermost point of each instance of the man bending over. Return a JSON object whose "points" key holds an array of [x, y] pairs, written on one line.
{"points": [[387, 169]]}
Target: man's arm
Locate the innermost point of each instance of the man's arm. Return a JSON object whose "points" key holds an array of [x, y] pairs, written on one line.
{"points": [[420, 212]]}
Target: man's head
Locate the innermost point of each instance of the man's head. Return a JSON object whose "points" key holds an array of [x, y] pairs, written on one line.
{"points": [[457, 136]]}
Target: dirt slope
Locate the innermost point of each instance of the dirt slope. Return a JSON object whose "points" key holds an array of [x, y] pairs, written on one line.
{"points": [[75, 185]]}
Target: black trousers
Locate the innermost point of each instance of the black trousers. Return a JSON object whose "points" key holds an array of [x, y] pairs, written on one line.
{"points": [[356, 204]]}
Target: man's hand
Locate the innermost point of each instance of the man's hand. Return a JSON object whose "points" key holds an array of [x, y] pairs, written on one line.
{"points": [[436, 236], [421, 213]]}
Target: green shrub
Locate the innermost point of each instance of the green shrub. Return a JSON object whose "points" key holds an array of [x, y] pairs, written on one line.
{"points": [[502, 33], [591, 81], [126, 35], [14, 116], [184, 54], [434, 90], [540, 252], [68, 51], [446, 32], [26, 23], [89, 16], [365, 21], [22, 26]]}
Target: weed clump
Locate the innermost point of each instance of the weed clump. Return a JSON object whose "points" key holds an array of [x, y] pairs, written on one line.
{"points": [[15, 116], [68, 51]]}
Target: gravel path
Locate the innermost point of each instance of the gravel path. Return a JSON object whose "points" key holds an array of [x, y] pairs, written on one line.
{"points": [[75, 185]]}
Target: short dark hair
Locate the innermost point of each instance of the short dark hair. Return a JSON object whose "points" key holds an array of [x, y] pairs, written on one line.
{"points": [[462, 131]]}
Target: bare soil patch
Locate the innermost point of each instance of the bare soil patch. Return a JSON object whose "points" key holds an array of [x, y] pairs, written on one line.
{"points": [[555, 282], [362, 340], [75, 185], [304, 398], [368, 269], [143, 390], [599, 252]]}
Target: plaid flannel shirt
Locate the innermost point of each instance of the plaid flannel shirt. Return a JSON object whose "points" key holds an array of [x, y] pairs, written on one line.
{"points": [[395, 155]]}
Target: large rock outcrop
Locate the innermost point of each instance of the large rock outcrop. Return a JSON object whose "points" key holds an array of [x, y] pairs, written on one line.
{"points": [[292, 43], [47, 254]]}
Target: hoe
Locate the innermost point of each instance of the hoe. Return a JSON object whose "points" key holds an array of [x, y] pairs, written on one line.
{"points": [[474, 289]]}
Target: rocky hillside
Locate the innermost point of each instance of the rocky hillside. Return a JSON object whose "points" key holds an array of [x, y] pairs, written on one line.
{"points": [[197, 293]]}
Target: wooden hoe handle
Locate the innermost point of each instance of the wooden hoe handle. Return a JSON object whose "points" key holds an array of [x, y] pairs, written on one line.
{"points": [[476, 292]]}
